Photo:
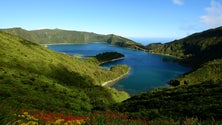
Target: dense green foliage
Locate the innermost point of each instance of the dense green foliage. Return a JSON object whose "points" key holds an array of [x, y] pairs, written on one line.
{"points": [[201, 100], [47, 36], [33, 77], [210, 71], [108, 56]]}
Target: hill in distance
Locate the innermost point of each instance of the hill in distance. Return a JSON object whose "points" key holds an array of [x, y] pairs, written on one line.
{"points": [[195, 49], [49, 36]]}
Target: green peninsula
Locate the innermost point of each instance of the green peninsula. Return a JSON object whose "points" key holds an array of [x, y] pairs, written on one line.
{"points": [[109, 57]]}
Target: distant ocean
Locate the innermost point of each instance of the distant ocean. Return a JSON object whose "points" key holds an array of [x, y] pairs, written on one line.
{"points": [[146, 41]]}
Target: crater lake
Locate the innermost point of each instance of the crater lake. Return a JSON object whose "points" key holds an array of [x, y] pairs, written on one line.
{"points": [[148, 71]]}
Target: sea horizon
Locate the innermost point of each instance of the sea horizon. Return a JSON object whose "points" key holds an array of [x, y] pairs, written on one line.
{"points": [[146, 41]]}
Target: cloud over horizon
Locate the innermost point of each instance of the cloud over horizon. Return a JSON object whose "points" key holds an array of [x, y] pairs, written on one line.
{"points": [[178, 2], [213, 17]]}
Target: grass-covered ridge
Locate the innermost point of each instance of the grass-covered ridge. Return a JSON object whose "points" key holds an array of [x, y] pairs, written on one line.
{"points": [[196, 49], [52, 36], [33, 77]]}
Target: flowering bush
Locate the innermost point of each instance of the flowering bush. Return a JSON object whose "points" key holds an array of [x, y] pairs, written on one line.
{"points": [[48, 118], [34, 117]]}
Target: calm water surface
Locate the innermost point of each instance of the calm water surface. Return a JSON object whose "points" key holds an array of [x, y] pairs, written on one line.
{"points": [[148, 71]]}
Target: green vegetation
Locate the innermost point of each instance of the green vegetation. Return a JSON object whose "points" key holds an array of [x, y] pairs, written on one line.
{"points": [[33, 77], [109, 56], [210, 71], [47, 36], [201, 101]]}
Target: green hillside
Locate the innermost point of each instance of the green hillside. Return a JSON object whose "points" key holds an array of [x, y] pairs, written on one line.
{"points": [[33, 77], [48, 36], [210, 71], [201, 101], [196, 49]]}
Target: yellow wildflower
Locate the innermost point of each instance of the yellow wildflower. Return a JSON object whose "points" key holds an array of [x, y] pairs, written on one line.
{"points": [[25, 113], [59, 121]]}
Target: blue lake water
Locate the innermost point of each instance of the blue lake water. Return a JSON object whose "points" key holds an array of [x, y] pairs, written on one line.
{"points": [[148, 71]]}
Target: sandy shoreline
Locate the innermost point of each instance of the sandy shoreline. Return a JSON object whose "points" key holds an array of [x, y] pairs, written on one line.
{"points": [[116, 79]]}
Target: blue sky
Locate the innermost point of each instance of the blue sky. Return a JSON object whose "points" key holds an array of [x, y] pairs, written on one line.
{"points": [[129, 18]]}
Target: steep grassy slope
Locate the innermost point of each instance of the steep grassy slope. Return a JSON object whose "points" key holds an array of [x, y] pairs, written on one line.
{"points": [[201, 100], [47, 36], [33, 77]]}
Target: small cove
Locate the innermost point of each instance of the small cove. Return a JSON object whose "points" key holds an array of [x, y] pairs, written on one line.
{"points": [[148, 71]]}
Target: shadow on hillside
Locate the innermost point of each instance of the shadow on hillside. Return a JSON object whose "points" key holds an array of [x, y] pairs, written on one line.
{"points": [[100, 97], [70, 78]]}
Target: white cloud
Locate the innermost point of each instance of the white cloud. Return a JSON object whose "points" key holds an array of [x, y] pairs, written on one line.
{"points": [[178, 2], [213, 17]]}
